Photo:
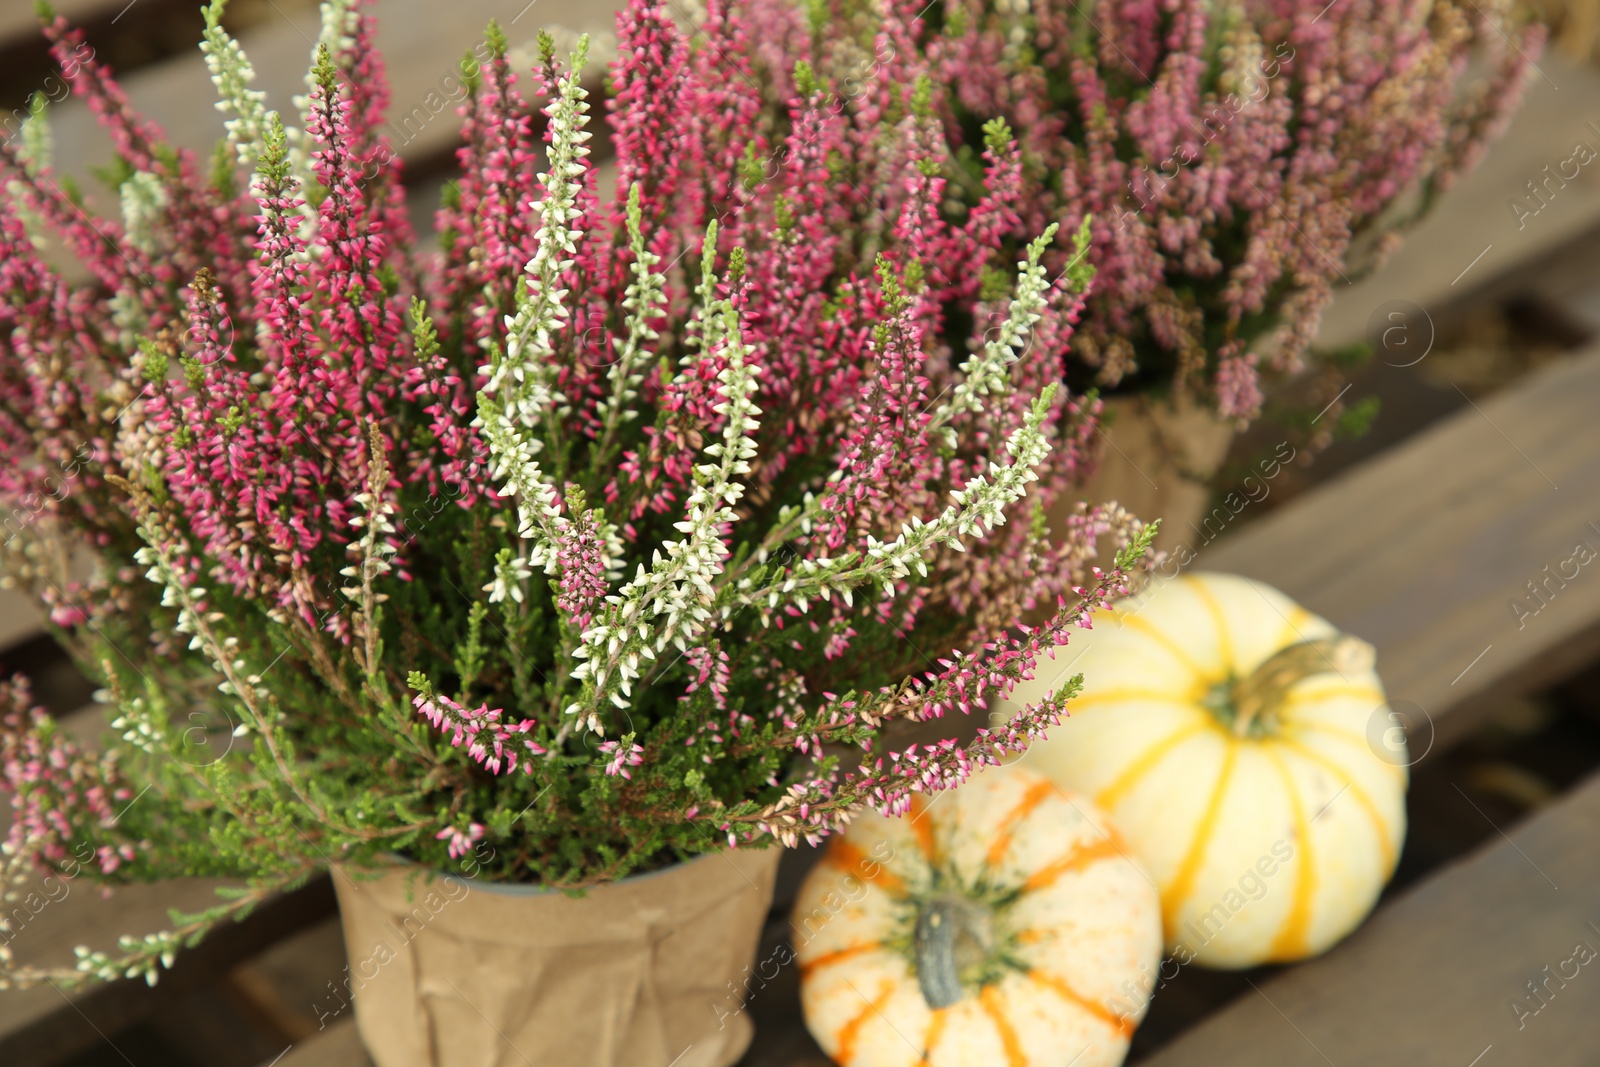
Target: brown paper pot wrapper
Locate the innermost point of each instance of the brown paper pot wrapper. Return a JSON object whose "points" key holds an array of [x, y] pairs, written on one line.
{"points": [[460, 974], [1158, 462]]}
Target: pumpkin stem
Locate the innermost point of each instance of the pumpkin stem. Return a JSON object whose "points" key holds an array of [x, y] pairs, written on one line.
{"points": [[952, 936], [1257, 697]]}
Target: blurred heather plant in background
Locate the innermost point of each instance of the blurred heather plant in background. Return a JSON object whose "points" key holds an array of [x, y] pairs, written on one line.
{"points": [[1241, 160], [589, 542]]}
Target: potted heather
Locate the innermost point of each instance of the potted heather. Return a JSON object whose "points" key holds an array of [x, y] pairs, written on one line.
{"points": [[1244, 160], [537, 585]]}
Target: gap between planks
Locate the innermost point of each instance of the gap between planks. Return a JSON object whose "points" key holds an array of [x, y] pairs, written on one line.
{"points": [[1432, 978]]}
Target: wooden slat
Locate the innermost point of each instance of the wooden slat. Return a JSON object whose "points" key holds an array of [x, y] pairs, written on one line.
{"points": [[20, 618], [18, 21], [1423, 550], [337, 1046], [1431, 980], [43, 1025], [83, 917], [288, 984], [422, 44], [1476, 214]]}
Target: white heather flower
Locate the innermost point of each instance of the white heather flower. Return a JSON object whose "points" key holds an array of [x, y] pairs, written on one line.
{"points": [[143, 202], [232, 74], [984, 373]]}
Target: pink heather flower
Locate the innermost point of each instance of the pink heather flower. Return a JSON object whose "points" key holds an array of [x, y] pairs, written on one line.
{"points": [[61, 797], [1238, 389], [488, 741], [621, 757], [710, 666], [67, 615], [460, 841], [581, 557], [113, 856], [1233, 157]]}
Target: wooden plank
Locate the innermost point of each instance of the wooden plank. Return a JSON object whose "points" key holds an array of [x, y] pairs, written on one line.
{"points": [[18, 21], [1433, 551], [20, 618], [422, 45], [1439, 261], [56, 916], [1432, 979], [337, 1046], [290, 984], [42, 1024]]}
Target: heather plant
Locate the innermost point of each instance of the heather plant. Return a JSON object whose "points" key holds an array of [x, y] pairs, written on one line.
{"points": [[629, 525], [1243, 159]]}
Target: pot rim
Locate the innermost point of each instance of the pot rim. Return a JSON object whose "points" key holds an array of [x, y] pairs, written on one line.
{"points": [[527, 889]]}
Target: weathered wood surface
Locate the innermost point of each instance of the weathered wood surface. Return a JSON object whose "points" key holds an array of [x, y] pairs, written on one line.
{"points": [[19, 22], [20, 618], [337, 1046], [421, 50], [43, 1024], [1439, 262], [52, 916], [1432, 979], [1428, 551]]}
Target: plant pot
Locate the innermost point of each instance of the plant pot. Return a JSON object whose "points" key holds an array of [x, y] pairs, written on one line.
{"points": [[1158, 459], [453, 972]]}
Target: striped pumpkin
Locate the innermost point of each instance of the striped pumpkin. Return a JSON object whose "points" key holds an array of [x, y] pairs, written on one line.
{"points": [[1003, 924], [1244, 747]]}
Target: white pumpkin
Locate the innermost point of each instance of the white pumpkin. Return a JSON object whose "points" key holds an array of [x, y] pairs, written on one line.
{"points": [[1244, 748], [1003, 924]]}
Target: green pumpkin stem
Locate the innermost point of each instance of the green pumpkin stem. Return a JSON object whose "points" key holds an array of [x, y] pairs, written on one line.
{"points": [[1257, 697], [952, 940]]}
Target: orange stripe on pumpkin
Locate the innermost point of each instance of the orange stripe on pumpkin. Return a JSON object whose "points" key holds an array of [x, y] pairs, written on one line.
{"points": [[1147, 759], [990, 999], [1032, 797], [852, 1029], [1077, 859], [1120, 1023], [838, 955], [1181, 883], [935, 1031], [844, 853], [1291, 940]]}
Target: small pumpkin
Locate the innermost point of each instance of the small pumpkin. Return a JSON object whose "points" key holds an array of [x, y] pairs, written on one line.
{"points": [[1001, 924], [1243, 746]]}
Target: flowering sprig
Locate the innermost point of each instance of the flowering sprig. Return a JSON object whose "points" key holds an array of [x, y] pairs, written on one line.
{"points": [[644, 301], [984, 373], [232, 74], [668, 604], [495, 744]]}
